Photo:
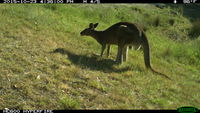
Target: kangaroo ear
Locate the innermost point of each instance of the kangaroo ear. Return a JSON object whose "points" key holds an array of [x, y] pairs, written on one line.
{"points": [[91, 25], [95, 25]]}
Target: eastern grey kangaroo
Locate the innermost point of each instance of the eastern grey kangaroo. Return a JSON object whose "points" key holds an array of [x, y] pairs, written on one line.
{"points": [[122, 34]]}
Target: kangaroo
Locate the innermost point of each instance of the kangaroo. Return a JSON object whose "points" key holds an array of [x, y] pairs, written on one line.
{"points": [[122, 34]]}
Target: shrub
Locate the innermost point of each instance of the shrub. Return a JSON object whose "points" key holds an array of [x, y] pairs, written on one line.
{"points": [[171, 22], [175, 34], [156, 22], [195, 29]]}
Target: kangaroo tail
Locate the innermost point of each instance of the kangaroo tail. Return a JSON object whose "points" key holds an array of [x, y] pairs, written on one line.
{"points": [[160, 74], [146, 52]]}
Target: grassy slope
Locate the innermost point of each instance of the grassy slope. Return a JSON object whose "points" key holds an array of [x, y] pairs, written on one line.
{"points": [[45, 64]]}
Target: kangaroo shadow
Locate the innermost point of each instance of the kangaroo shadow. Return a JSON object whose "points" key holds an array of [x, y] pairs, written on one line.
{"points": [[93, 62]]}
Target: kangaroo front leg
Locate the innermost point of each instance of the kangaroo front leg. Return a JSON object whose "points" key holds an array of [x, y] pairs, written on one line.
{"points": [[108, 51], [102, 49]]}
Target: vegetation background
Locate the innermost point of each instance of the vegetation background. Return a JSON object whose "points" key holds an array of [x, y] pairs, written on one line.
{"points": [[46, 64]]}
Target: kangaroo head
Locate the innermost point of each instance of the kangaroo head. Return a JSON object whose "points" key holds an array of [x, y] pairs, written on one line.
{"points": [[89, 30]]}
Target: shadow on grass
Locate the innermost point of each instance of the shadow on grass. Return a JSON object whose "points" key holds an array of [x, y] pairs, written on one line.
{"points": [[94, 62]]}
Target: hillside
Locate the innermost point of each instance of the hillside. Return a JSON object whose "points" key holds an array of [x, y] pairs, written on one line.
{"points": [[46, 64]]}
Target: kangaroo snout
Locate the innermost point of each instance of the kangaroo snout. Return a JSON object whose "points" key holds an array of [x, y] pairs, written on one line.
{"points": [[81, 33]]}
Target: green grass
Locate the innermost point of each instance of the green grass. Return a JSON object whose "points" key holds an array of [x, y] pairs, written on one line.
{"points": [[46, 64]]}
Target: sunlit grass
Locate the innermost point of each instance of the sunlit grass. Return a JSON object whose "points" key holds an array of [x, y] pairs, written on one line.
{"points": [[46, 64]]}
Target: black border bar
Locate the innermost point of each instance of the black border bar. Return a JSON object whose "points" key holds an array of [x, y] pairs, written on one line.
{"points": [[86, 111], [95, 1]]}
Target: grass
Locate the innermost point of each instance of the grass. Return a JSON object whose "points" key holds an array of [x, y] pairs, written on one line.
{"points": [[46, 64]]}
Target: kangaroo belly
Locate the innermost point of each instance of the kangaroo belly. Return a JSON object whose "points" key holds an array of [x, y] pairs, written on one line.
{"points": [[111, 38], [112, 41]]}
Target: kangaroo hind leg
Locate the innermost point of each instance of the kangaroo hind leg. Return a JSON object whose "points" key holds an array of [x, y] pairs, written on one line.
{"points": [[125, 53], [119, 58]]}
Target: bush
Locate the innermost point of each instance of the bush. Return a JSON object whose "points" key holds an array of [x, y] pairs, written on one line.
{"points": [[195, 29], [156, 22], [171, 22], [175, 34]]}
